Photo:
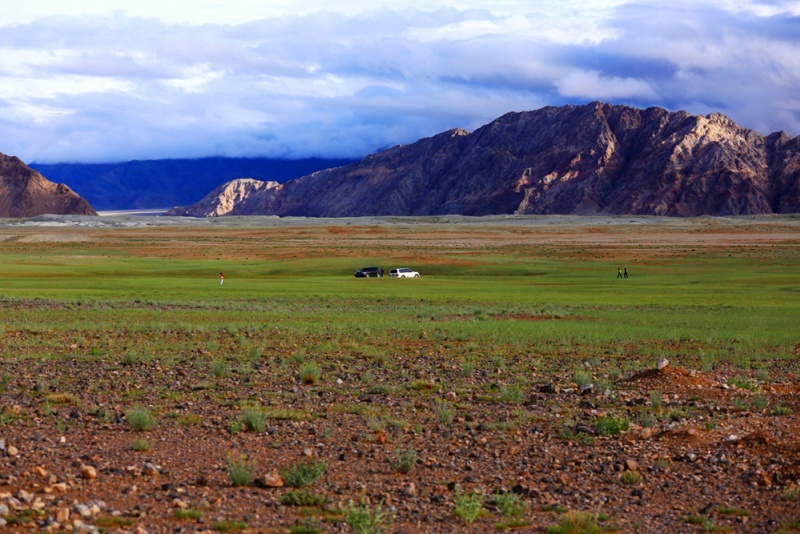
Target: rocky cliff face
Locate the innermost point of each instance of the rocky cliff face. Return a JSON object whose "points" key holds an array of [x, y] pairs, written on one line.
{"points": [[26, 193], [229, 199], [592, 159]]}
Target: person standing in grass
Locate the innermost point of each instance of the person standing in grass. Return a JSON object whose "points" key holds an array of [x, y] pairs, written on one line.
{"points": [[221, 278], [625, 273], [619, 273]]}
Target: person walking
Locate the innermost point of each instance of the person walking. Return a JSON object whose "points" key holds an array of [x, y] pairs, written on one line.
{"points": [[625, 273], [221, 278], [619, 272]]}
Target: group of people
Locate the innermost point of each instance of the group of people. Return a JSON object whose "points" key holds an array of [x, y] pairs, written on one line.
{"points": [[622, 273]]}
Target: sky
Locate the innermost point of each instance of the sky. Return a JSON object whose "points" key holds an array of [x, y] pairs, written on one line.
{"points": [[118, 80]]}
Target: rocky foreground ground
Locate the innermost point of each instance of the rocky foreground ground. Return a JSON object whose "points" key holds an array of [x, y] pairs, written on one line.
{"points": [[698, 455]]}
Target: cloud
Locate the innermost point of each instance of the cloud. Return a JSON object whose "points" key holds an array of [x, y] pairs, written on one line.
{"points": [[109, 86]]}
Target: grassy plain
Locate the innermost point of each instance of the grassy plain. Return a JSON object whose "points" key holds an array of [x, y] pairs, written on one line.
{"points": [[503, 306]]}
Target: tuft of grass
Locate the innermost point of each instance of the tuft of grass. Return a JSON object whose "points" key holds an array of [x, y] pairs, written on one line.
{"points": [[781, 409], [140, 419], [468, 507], [510, 505], [309, 373], [140, 445], [188, 515], [241, 470], [63, 398], [791, 494], [444, 413], [758, 403], [229, 525], [631, 477], [404, 460], [303, 474], [364, 520], [220, 368], [577, 522], [302, 497], [253, 418], [743, 382], [656, 400], [610, 425]]}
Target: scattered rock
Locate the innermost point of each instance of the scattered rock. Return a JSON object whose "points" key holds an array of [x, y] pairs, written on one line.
{"points": [[662, 364], [88, 472], [271, 480]]}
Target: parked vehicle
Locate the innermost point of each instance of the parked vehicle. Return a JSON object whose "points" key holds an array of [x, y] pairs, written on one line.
{"points": [[369, 272], [403, 272]]}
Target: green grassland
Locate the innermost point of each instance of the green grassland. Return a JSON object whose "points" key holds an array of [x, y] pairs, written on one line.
{"points": [[733, 302]]}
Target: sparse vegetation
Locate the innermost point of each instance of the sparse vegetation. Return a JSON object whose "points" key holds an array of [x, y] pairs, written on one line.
{"points": [[140, 419], [303, 473], [468, 506], [241, 470], [365, 520]]}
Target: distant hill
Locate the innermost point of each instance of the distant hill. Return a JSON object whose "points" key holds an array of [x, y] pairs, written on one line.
{"points": [[170, 182], [591, 159], [26, 193]]}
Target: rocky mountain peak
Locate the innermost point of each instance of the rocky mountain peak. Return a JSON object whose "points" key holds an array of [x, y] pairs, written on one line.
{"points": [[26, 193], [592, 159]]}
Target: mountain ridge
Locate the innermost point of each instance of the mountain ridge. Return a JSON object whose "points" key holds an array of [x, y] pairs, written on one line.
{"points": [[24, 192], [592, 159]]}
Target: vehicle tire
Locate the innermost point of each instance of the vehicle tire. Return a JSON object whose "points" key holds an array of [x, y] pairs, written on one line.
{"points": [[416, 276]]}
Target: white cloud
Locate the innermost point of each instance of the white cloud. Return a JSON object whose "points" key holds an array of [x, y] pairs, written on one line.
{"points": [[136, 79], [592, 86]]}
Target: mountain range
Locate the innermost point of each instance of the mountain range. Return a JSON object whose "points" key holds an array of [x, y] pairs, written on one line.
{"points": [[592, 159], [142, 184]]}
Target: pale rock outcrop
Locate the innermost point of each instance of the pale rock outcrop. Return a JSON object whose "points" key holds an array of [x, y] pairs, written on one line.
{"points": [[227, 199]]}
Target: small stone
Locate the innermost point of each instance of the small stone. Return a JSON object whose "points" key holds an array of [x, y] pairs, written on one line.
{"points": [[451, 396], [308, 452], [548, 388], [647, 433], [586, 389], [149, 469], [409, 490], [12, 450], [662, 363], [272, 480], [40, 471], [88, 472], [62, 515], [631, 464], [339, 381]]}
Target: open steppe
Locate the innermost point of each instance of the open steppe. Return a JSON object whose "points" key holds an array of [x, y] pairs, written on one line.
{"points": [[513, 386]]}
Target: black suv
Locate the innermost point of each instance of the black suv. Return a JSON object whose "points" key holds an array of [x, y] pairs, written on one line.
{"points": [[369, 272]]}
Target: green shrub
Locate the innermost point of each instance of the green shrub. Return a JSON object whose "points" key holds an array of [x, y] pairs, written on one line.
{"points": [[140, 445], [254, 419], [309, 373], [656, 401], [193, 515], [140, 419], [468, 507], [758, 403], [220, 368], [510, 505], [229, 525], [303, 474], [363, 520], [781, 409], [241, 470], [577, 522], [444, 413], [609, 425], [404, 460], [302, 497], [631, 477]]}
